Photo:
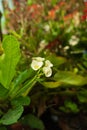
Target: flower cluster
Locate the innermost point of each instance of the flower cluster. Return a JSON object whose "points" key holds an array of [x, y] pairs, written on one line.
{"points": [[46, 65]]}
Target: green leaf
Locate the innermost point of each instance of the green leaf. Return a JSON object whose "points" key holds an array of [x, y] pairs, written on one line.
{"points": [[24, 76], [3, 91], [12, 116], [57, 61], [82, 98], [67, 77], [30, 2], [3, 128], [53, 2], [64, 109], [27, 87], [83, 92], [51, 84], [72, 106], [33, 122], [9, 60], [21, 101]]}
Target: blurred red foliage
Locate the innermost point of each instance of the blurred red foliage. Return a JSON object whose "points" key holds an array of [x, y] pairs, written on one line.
{"points": [[84, 16]]}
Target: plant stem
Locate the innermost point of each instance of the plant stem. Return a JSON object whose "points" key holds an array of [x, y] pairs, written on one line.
{"points": [[27, 87]]}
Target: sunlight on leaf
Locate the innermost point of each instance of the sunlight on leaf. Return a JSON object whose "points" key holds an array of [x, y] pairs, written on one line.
{"points": [[8, 63]]}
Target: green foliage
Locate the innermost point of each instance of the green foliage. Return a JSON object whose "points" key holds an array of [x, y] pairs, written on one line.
{"points": [[56, 60], [82, 96], [72, 106], [3, 128], [54, 2], [69, 106], [26, 74], [21, 101], [12, 116], [3, 92], [51, 84], [8, 85], [30, 2], [67, 77], [50, 24], [33, 122], [9, 60]]}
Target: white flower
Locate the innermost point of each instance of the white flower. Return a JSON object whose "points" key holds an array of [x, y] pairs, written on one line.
{"points": [[37, 63], [47, 68], [73, 41], [76, 19], [66, 48], [47, 71], [47, 28], [48, 64], [42, 45]]}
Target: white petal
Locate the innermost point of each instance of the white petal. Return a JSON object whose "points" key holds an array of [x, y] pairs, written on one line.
{"points": [[74, 40], [73, 43], [39, 59], [47, 28], [43, 44], [47, 71], [35, 65], [66, 48], [48, 63]]}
